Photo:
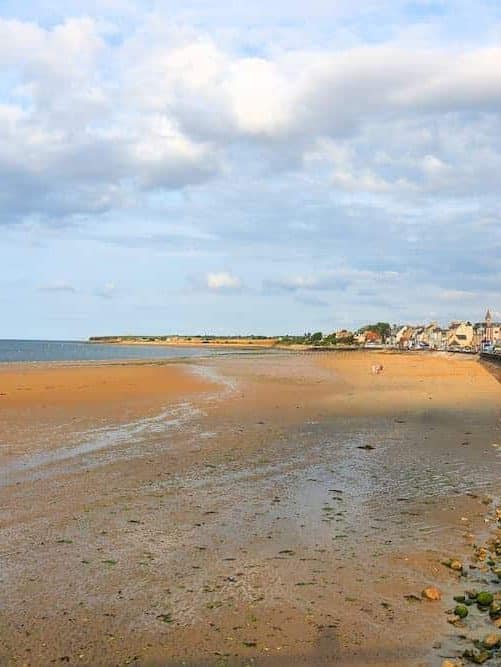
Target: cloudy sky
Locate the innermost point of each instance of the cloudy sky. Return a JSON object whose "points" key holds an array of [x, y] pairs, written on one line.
{"points": [[269, 167]]}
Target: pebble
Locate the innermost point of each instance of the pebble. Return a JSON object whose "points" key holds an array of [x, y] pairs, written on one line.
{"points": [[431, 593], [478, 657], [487, 561], [491, 641], [484, 598], [453, 564], [453, 619], [461, 610]]}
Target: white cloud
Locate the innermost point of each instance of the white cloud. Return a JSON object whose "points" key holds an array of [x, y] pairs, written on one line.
{"points": [[457, 295], [367, 181], [223, 281], [316, 156], [165, 99], [332, 280], [58, 286], [88, 123], [295, 283], [260, 97]]}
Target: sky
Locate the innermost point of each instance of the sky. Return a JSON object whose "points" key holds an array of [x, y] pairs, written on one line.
{"points": [[235, 167]]}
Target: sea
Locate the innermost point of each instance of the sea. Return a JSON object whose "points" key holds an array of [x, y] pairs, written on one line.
{"points": [[14, 351]]}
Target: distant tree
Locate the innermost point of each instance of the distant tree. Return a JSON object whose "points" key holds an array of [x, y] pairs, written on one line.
{"points": [[330, 339], [347, 339], [316, 337], [293, 340], [381, 328]]}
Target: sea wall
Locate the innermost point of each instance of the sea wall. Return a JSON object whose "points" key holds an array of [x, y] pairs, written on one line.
{"points": [[492, 357]]}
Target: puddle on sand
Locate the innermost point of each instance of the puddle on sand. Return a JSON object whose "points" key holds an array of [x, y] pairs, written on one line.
{"points": [[330, 490], [109, 443], [112, 442], [387, 489]]}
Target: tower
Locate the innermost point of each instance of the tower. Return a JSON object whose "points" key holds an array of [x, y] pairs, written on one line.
{"points": [[489, 332]]}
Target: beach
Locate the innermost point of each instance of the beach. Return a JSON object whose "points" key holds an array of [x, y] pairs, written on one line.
{"points": [[258, 509]]}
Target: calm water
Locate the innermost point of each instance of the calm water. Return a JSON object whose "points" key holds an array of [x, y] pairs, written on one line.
{"points": [[51, 350]]}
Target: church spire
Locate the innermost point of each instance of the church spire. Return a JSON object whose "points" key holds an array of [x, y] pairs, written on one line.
{"points": [[488, 316]]}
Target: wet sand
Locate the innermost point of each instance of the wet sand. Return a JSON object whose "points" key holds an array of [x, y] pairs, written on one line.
{"points": [[35, 386], [248, 510]]}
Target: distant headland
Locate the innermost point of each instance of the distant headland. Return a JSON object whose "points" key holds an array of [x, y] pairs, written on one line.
{"points": [[195, 340]]}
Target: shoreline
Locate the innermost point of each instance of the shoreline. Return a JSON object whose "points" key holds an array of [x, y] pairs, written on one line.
{"points": [[327, 498], [493, 367], [127, 360]]}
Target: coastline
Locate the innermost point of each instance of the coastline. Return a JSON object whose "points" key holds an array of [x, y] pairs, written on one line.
{"points": [[187, 342], [314, 539]]}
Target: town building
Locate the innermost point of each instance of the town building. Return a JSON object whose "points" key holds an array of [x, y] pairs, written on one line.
{"points": [[369, 337], [460, 335], [404, 337], [344, 336], [487, 333]]}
